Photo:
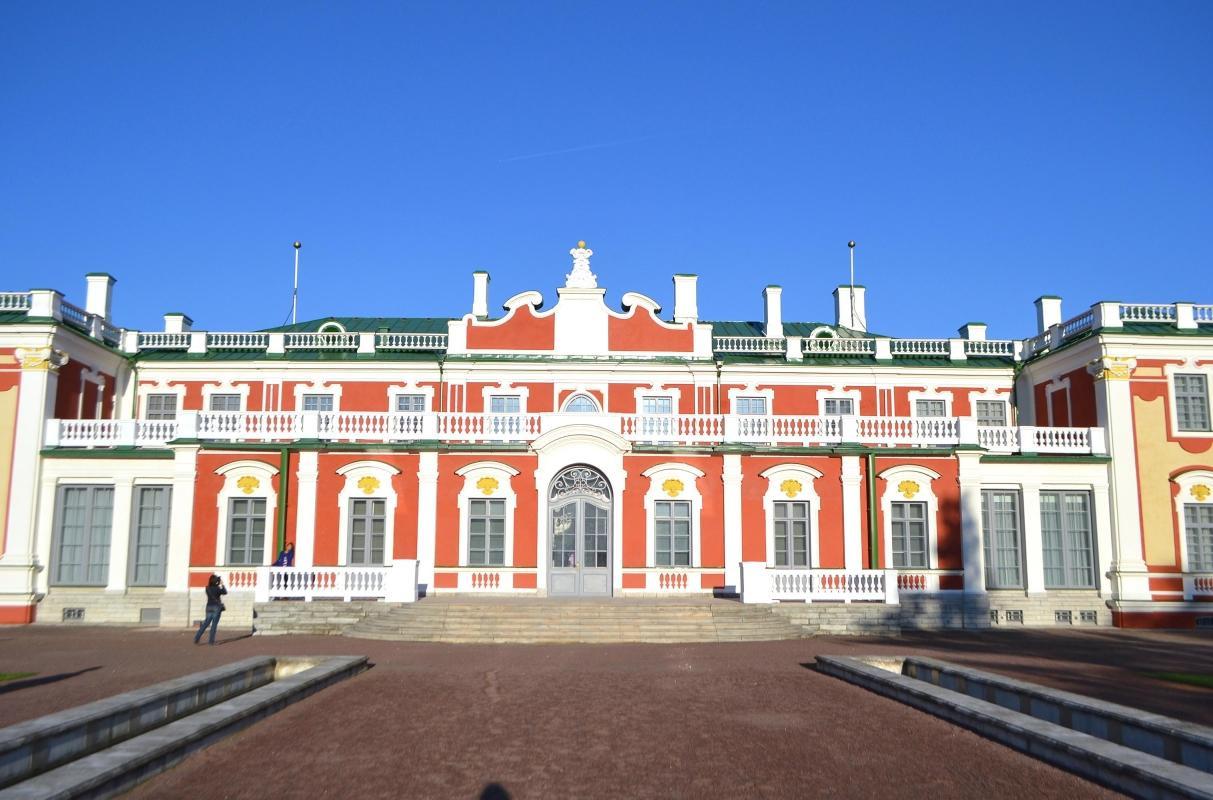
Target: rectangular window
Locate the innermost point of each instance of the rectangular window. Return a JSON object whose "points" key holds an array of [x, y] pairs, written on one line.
{"points": [[750, 405], [656, 405], [149, 539], [317, 402], [1192, 402], [486, 533], [991, 413], [505, 404], [246, 531], [82, 549], [161, 406], [909, 522], [225, 402], [930, 408], [672, 528], [1001, 539], [1198, 525], [1069, 551], [791, 534], [368, 525], [839, 406], [412, 403]]}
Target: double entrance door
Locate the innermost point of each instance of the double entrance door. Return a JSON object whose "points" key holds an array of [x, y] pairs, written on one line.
{"points": [[580, 549]]}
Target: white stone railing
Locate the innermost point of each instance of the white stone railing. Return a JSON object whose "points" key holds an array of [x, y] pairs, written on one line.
{"points": [[237, 341], [1202, 314], [396, 583], [410, 341], [160, 340], [835, 346], [919, 347], [1147, 312], [749, 344], [763, 584], [992, 348], [321, 341], [15, 301], [248, 425], [74, 315], [675, 428]]}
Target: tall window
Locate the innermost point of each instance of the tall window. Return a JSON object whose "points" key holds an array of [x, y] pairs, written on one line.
{"points": [[652, 410], [1192, 402], [750, 405], [581, 404], [839, 406], [909, 521], [225, 402], [82, 551], [161, 406], [991, 413], [1001, 528], [791, 534], [317, 402], [486, 533], [930, 408], [1198, 526], [672, 531], [150, 545], [246, 531], [368, 522], [1069, 552], [412, 403]]}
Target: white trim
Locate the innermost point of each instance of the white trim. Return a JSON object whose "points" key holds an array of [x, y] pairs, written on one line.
{"points": [[319, 386], [160, 387], [579, 392], [410, 388], [652, 390], [331, 326], [504, 389], [1185, 481], [504, 490], [930, 394], [925, 494], [750, 392], [223, 387], [991, 394], [353, 473], [1051, 388], [805, 476], [233, 472], [837, 393], [1189, 368], [688, 476]]}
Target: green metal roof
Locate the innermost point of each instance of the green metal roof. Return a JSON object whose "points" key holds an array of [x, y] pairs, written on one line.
{"points": [[368, 325], [734, 328]]}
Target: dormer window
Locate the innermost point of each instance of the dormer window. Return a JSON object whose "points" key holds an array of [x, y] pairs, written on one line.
{"points": [[332, 326]]}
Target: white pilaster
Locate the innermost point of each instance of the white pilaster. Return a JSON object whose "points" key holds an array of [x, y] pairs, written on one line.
{"points": [[35, 404], [1033, 540], [732, 520], [970, 522], [427, 512], [181, 519], [305, 508], [120, 533], [852, 514], [1101, 505]]}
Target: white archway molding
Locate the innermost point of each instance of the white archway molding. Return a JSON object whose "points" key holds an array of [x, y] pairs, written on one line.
{"points": [[246, 479], [675, 482], [792, 483], [581, 434], [366, 480], [1195, 488], [487, 480], [912, 483]]}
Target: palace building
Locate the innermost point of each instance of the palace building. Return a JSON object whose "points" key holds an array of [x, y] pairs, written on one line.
{"points": [[580, 450]]}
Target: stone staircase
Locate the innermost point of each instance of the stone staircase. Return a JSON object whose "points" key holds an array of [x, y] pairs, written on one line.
{"points": [[535, 620]]}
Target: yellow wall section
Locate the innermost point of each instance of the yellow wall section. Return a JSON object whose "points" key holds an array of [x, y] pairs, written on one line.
{"points": [[8, 432], [1157, 458]]}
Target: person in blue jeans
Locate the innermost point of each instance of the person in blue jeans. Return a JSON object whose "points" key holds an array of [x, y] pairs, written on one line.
{"points": [[214, 608]]}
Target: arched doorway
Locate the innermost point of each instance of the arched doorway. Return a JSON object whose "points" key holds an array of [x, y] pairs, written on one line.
{"points": [[579, 533]]}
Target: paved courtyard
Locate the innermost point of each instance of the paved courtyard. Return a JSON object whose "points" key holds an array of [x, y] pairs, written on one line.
{"points": [[434, 720]]}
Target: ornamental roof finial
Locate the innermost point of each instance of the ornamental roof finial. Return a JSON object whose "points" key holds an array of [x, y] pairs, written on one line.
{"points": [[581, 277]]}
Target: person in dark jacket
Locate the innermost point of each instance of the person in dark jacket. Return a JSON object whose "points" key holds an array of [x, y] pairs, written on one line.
{"points": [[214, 608], [286, 558]]}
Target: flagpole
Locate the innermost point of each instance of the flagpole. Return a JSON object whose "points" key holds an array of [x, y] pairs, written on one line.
{"points": [[295, 284], [851, 248]]}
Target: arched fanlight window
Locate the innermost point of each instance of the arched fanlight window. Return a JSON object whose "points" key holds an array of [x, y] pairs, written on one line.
{"points": [[581, 404], [332, 326]]}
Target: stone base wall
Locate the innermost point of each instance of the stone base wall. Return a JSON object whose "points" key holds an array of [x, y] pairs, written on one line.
{"points": [[1011, 608], [319, 617], [152, 607]]}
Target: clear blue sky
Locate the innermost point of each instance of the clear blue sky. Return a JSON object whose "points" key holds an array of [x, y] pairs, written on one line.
{"points": [[981, 153]]}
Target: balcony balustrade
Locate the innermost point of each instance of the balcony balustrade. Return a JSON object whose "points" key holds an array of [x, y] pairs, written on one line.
{"points": [[664, 429]]}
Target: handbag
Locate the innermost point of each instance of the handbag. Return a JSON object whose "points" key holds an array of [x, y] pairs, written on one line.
{"points": [[222, 608]]}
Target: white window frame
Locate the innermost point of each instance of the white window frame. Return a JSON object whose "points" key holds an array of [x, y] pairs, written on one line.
{"points": [[303, 398], [1184, 497], [145, 400], [674, 395], [226, 387], [232, 472], [503, 389], [427, 392], [752, 393], [210, 402], [805, 476], [689, 477], [837, 393], [930, 394], [926, 494], [1189, 368], [504, 490], [350, 490], [317, 387], [1006, 410], [564, 406]]}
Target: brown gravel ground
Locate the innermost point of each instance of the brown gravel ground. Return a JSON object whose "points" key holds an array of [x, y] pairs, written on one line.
{"points": [[709, 720]]}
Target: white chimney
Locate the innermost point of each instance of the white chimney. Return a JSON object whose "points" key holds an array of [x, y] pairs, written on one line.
{"points": [[99, 296], [480, 294], [686, 307], [1048, 312], [973, 331], [176, 322], [849, 311], [773, 319]]}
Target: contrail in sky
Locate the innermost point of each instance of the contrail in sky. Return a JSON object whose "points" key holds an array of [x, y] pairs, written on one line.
{"points": [[598, 146]]}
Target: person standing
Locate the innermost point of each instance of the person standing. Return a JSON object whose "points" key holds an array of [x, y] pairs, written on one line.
{"points": [[286, 558], [214, 608]]}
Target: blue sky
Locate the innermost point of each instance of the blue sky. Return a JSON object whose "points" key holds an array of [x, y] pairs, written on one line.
{"points": [[981, 153]]}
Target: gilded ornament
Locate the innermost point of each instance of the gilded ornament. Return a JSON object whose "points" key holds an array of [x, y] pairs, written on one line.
{"points": [[1112, 368], [368, 484], [45, 359], [790, 487], [908, 489], [672, 486], [1200, 492], [487, 485], [248, 484]]}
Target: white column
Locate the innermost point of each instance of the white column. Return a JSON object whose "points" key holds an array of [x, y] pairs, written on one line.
{"points": [[181, 519], [852, 514], [1033, 541], [1114, 408], [1101, 508], [120, 533], [427, 522], [732, 520], [305, 508], [970, 522]]}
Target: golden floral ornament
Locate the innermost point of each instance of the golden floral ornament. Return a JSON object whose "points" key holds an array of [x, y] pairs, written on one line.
{"points": [[1112, 368], [487, 485], [45, 359], [1200, 492], [672, 486], [368, 484], [791, 487], [908, 489], [248, 484]]}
